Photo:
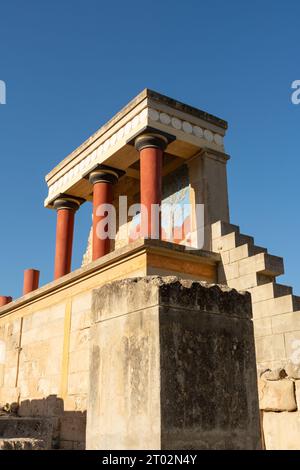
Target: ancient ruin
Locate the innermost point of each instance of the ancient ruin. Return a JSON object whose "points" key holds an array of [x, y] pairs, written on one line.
{"points": [[151, 342]]}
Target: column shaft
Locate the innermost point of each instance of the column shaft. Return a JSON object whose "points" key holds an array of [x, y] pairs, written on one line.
{"points": [[103, 194], [4, 300], [151, 190], [151, 148], [64, 242], [31, 280]]}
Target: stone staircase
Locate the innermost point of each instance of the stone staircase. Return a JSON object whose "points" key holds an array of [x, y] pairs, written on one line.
{"points": [[17, 433], [246, 266]]}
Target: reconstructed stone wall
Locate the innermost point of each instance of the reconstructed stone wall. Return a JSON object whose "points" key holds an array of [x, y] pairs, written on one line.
{"points": [[172, 366], [279, 398], [44, 337], [276, 316], [46, 365]]}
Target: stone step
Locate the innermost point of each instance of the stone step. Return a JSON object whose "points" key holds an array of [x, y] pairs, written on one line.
{"points": [[245, 251], [269, 291], [249, 281], [231, 241], [22, 443], [276, 306], [16, 428], [218, 229], [262, 263]]}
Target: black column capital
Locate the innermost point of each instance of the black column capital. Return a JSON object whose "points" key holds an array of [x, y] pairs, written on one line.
{"points": [[104, 174], [65, 201], [151, 140]]}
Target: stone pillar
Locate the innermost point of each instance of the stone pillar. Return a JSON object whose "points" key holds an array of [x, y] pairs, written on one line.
{"points": [[66, 208], [4, 300], [31, 280], [208, 180], [151, 149], [172, 366], [102, 180]]}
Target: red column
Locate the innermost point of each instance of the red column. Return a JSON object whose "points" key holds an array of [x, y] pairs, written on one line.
{"points": [[103, 182], [31, 280], [66, 209], [4, 300], [151, 150]]}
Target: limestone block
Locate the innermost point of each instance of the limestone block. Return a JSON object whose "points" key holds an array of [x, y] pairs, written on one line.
{"points": [[75, 402], [79, 340], [73, 426], [287, 322], [220, 228], [10, 377], [270, 348], [78, 383], [292, 345], [274, 374], [79, 361], [9, 395], [269, 291], [293, 371], [261, 263], [282, 430], [262, 327], [278, 395], [239, 253], [82, 302], [225, 257], [225, 243], [270, 365], [231, 271], [12, 342], [81, 308], [271, 307], [243, 282]]}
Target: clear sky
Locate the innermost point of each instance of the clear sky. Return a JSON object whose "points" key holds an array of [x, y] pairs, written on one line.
{"points": [[70, 65]]}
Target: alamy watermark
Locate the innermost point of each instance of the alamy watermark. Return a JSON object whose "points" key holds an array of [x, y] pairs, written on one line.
{"points": [[2, 92], [295, 96], [177, 223]]}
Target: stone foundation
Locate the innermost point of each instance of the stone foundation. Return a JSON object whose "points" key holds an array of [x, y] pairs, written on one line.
{"points": [[172, 366]]}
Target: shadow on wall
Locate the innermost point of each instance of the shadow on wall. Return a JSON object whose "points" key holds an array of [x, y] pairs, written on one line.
{"points": [[46, 419]]}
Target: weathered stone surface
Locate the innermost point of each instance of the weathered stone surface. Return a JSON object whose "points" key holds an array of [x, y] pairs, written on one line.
{"points": [[270, 348], [22, 443], [282, 430], [277, 395], [297, 392], [275, 374], [36, 429], [170, 291], [73, 427], [293, 370], [161, 352]]}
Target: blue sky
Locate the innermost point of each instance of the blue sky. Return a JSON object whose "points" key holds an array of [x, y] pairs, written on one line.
{"points": [[70, 65]]}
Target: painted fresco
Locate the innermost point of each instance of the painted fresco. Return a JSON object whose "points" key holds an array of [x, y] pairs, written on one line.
{"points": [[176, 209]]}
